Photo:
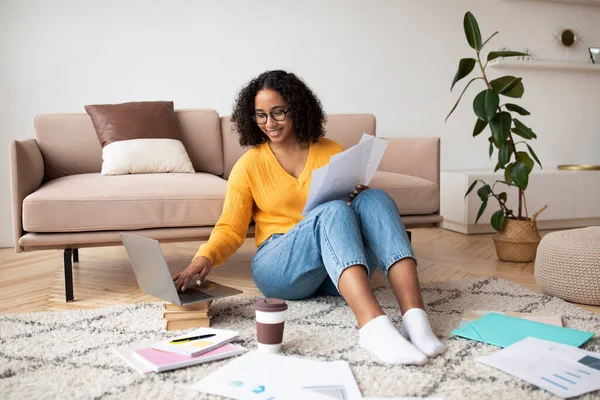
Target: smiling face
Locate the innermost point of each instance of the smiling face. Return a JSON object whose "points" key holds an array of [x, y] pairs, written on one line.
{"points": [[267, 103]]}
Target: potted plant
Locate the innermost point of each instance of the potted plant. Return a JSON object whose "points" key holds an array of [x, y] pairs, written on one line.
{"points": [[518, 236]]}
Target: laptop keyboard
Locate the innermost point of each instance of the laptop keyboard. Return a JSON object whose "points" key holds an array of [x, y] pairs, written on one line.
{"points": [[192, 295]]}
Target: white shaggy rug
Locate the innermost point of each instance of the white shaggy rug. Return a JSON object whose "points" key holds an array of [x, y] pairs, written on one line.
{"points": [[68, 354]]}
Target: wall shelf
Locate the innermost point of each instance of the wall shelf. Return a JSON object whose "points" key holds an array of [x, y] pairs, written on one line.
{"points": [[545, 64], [584, 2]]}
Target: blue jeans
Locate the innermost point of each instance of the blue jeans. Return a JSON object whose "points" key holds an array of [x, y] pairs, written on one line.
{"points": [[309, 259]]}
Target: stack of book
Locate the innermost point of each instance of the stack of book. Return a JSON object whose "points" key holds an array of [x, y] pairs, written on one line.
{"points": [[193, 348], [186, 317]]}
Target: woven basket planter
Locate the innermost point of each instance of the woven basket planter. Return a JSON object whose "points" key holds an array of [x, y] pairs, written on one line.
{"points": [[517, 241]]}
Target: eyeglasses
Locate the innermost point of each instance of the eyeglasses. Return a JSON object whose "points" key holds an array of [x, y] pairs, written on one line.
{"points": [[277, 115]]}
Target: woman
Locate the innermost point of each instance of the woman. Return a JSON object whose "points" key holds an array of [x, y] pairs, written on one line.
{"points": [[332, 250]]}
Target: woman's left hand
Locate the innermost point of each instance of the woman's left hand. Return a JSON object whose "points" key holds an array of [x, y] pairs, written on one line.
{"points": [[356, 192]]}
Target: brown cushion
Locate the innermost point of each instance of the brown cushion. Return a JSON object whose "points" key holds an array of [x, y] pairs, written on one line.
{"points": [[135, 120]]}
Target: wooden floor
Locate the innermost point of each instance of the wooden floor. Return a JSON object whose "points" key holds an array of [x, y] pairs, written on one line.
{"points": [[35, 281]]}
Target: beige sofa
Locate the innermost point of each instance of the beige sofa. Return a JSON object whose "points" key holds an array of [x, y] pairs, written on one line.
{"points": [[60, 200]]}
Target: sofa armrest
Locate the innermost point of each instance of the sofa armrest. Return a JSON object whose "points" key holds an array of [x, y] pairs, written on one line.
{"points": [[26, 175], [414, 156]]}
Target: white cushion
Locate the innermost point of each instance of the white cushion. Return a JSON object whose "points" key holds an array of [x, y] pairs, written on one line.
{"points": [[145, 156]]}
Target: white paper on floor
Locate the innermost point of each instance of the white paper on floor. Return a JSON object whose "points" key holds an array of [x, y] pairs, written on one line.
{"points": [[566, 371], [260, 376]]}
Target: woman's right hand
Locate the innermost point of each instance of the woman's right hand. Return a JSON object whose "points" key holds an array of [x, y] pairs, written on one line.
{"points": [[200, 267]]}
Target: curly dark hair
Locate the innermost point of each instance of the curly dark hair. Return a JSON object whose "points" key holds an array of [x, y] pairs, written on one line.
{"points": [[307, 112]]}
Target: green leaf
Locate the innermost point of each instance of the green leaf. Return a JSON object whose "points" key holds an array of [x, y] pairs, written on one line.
{"points": [[500, 126], [516, 108], [485, 104], [497, 167], [481, 210], [504, 154], [525, 159], [505, 84], [472, 31], [479, 127], [465, 66], [493, 141], [488, 39], [507, 172], [500, 85], [519, 132], [520, 174], [484, 192], [495, 54], [533, 155], [524, 129], [503, 196], [507, 183], [460, 97], [471, 188], [491, 151], [511, 85], [497, 220]]}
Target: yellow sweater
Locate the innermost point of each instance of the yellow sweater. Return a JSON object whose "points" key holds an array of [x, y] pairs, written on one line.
{"points": [[260, 189]]}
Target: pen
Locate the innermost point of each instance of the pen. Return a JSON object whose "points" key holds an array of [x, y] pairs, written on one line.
{"points": [[192, 338]]}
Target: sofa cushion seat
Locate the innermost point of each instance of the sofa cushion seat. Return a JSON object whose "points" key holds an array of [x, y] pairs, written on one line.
{"points": [[412, 195], [92, 202]]}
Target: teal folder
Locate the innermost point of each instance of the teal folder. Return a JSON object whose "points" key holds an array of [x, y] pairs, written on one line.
{"points": [[502, 330]]}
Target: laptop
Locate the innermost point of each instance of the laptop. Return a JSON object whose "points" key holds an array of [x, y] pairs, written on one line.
{"points": [[154, 278]]}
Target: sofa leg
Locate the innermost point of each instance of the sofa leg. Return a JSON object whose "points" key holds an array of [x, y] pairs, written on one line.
{"points": [[68, 257], [75, 255]]}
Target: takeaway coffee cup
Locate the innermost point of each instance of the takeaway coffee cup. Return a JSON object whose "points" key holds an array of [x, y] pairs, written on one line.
{"points": [[270, 317]]}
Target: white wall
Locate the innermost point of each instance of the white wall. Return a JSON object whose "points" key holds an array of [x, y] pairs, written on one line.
{"points": [[393, 58]]}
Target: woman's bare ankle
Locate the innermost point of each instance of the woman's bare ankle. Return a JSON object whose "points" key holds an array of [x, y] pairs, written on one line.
{"points": [[368, 316]]}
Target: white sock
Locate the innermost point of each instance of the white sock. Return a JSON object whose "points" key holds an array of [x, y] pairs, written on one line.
{"points": [[380, 337], [415, 326]]}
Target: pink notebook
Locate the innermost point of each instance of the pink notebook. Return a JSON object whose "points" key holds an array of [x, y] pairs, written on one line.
{"points": [[160, 361]]}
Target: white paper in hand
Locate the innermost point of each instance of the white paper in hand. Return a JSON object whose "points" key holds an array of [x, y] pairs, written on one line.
{"points": [[377, 150], [345, 170]]}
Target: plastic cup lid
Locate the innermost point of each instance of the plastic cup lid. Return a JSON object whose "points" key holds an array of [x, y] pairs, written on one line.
{"points": [[270, 305]]}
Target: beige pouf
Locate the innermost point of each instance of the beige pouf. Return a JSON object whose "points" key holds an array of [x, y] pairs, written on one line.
{"points": [[567, 265]]}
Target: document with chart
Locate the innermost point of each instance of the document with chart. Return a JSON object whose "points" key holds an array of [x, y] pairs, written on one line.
{"points": [[345, 170], [566, 371]]}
